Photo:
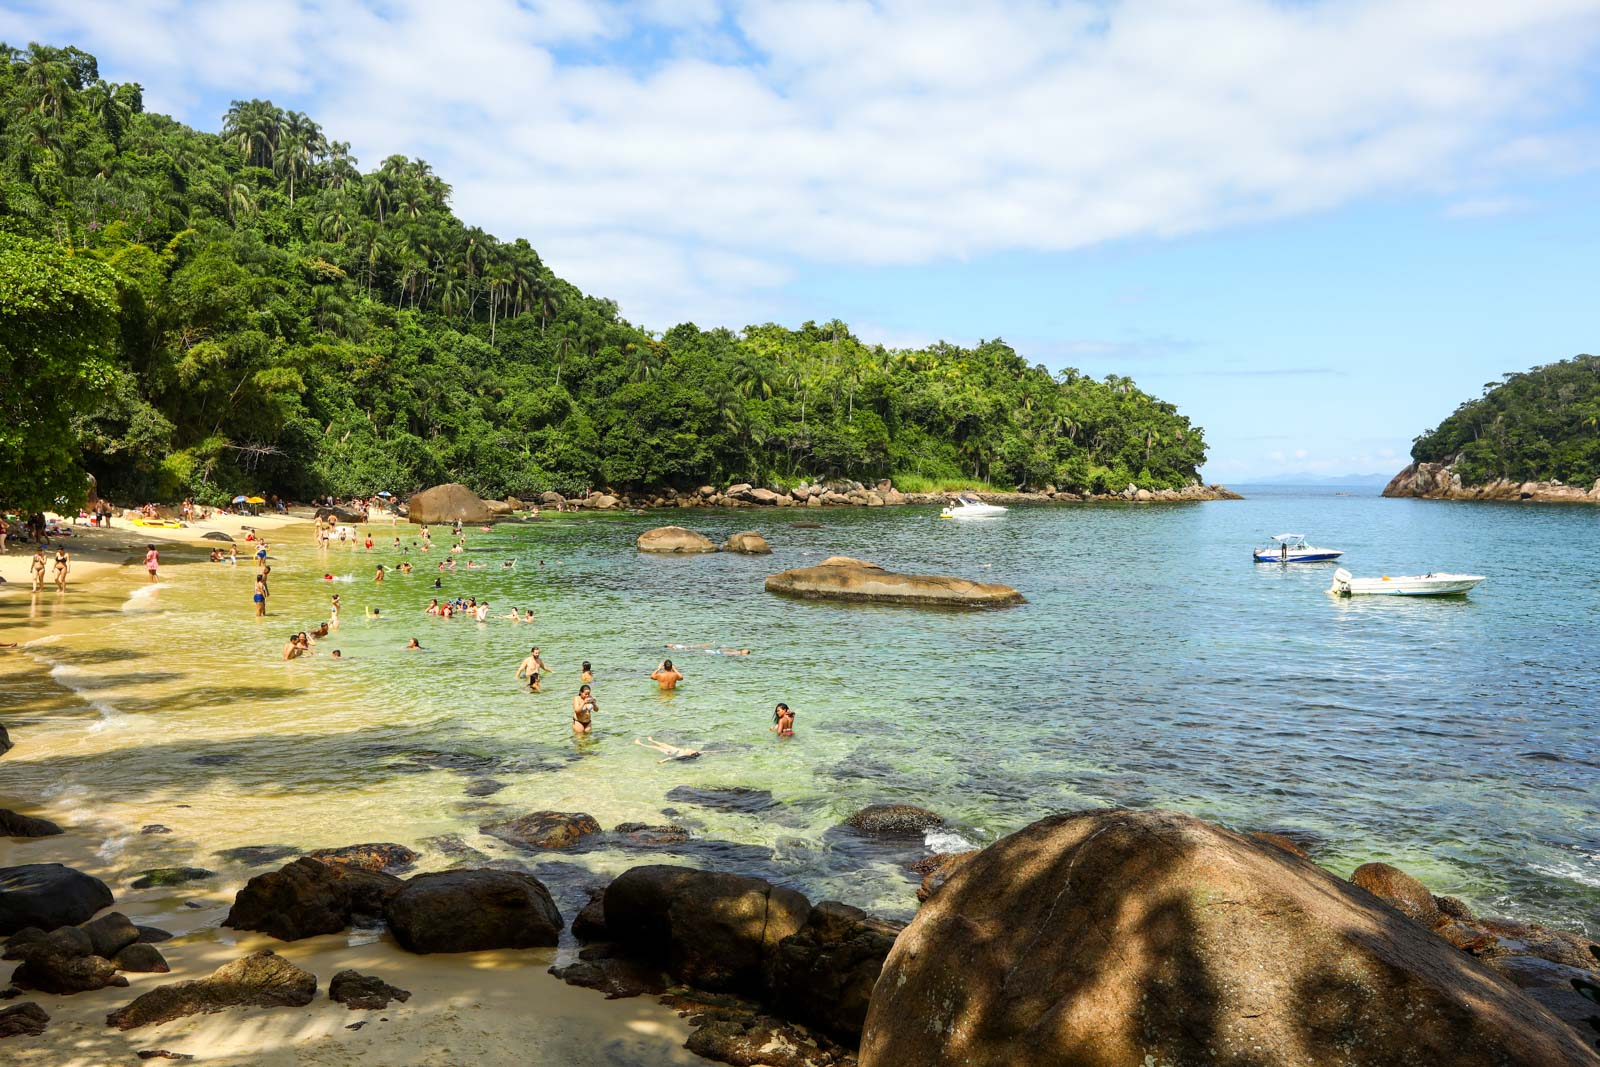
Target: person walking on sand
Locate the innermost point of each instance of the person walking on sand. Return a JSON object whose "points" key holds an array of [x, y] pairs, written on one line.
{"points": [[152, 560], [260, 596], [531, 668], [583, 709], [667, 676], [62, 564], [37, 568]]}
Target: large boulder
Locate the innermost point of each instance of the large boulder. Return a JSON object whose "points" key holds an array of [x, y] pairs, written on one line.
{"points": [[843, 578], [110, 933], [541, 831], [262, 979], [48, 895], [822, 975], [473, 910], [674, 539], [500, 507], [446, 504], [309, 897], [15, 824], [1121, 938], [712, 930], [748, 543]]}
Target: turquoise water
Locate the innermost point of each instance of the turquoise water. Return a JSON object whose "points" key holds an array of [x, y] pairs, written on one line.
{"points": [[1153, 665]]}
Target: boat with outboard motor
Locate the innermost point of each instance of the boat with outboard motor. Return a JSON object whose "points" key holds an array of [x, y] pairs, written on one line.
{"points": [[968, 506], [1292, 548], [1435, 584]]}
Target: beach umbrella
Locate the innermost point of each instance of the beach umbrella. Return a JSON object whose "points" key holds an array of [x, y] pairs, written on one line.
{"points": [[256, 500], [240, 499]]}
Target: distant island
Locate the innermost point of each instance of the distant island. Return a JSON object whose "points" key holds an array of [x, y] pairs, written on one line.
{"points": [[1532, 436], [207, 314]]}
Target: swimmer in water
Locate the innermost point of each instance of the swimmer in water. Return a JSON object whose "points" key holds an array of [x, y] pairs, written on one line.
{"points": [[336, 654], [291, 647], [667, 676], [588, 672], [782, 721], [531, 668], [374, 613], [512, 615], [528, 617], [378, 575], [413, 645], [583, 709], [673, 752]]}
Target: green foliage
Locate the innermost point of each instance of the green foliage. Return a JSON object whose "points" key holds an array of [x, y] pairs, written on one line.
{"points": [[267, 317], [1542, 425]]}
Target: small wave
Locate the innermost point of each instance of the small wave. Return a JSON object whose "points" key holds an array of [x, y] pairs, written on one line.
{"points": [[1583, 873], [112, 847], [137, 599], [947, 841], [47, 639]]}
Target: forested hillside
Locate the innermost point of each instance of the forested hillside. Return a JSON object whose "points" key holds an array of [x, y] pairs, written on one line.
{"points": [[194, 313], [1541, 425]]}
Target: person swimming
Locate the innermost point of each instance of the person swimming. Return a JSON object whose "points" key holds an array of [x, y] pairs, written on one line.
{"points": [[583, 709], [673, 752], [588, 672], [782, 720], [414, 645]]}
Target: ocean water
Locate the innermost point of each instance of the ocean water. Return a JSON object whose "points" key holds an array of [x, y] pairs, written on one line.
{"points": [[1153, 665]]}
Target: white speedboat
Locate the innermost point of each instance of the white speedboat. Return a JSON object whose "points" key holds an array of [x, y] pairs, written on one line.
{"points": [[1439, 584], [1292, 548], [968, 506]]}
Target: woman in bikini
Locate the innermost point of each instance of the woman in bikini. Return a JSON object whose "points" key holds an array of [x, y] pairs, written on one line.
{"points": [[62, 563], [583, 709], [782, 721]]}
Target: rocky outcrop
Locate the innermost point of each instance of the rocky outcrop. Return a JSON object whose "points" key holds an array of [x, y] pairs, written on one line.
{"points": [[748, 543], [1439, 481], [375, 856], [882, 820], [262, 979], [674, 540], [843, 578], [473, 910], [841, 493], [62, 962], [15, 824], [23, 1020], [711, 930], [48, 895], [309, 897], [822, 974], [364, 992], [446, 504], [1114, 938], [546, 831]]}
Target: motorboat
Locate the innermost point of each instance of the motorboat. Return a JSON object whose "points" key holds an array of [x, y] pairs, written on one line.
{"points": [[968, 506], [1292, 548], [1436, 584]]}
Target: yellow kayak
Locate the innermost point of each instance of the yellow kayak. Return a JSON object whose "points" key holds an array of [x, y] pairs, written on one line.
{"points": [[162, 524]]}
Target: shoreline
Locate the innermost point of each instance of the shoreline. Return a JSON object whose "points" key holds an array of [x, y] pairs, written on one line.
{"points": [[1439, 481]]}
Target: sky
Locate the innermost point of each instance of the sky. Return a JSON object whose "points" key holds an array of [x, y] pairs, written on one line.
{"points": [[1316, 227]]}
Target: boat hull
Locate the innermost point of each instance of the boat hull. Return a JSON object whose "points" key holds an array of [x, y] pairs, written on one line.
{"points": [[1266, 555], [1452, 586]]}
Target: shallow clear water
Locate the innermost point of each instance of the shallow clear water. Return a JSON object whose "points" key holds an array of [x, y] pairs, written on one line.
{"points": [[1153, 664]]}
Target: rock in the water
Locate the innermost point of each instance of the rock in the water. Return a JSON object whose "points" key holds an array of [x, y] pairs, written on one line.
{"points": [[483, 787], [669, 539], [643, 835], [446, 504], [166, 876], [823, 974], [48, 895], [723, 797], [894, 820], [15, 824], [748, 543], [473, 910], [23, 1020], [1116, 938], [162, 1054], [843, 578], [364, 992], [590, 923], [308, 897], [377, 856], [261, 979], [1394, 886], [712, 930], [141, 958], [254, 855], [110, 933], [154, 829], [5, 740], [544, 830]]}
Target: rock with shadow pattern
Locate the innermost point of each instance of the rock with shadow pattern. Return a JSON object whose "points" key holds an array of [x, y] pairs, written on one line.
{"points": [[843, 578], [544, 830], [375, 856], [15, 824], [823, 974], [1116, 938], [1399, 890], [364, 992], [473, 910], [48, 895], [262, 979], [23, 1020], [308, 897]]}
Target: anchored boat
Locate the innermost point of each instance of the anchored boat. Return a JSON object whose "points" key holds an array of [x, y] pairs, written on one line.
{"points": [[1437, 584], [968, 506], [1292, 548]]}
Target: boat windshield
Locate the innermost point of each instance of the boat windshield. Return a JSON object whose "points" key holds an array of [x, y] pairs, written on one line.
{"points": [[969, 499], [1291, 540]]}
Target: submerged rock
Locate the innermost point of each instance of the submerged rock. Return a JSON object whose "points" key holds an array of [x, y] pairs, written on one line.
{"points": [[23, 1020], [48, 895], [15, 824], [674, 539], [261, 979], [473, 910], [544, 830], [377, 856], [894, 820], [364, 992], [255, 855], [723, 797], [643, 835], [1109, 938], [308, 897], [843, 578], [168, 876]]}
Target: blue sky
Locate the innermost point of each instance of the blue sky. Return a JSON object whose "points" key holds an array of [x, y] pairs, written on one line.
{"points": [[1316, 227]]}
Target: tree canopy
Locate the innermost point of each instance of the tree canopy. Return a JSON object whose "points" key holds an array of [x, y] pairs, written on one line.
{"points": [[283, 321], [1538, 425]]}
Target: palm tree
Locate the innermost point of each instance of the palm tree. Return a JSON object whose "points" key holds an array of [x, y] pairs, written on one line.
{"points": [[240, 199]]}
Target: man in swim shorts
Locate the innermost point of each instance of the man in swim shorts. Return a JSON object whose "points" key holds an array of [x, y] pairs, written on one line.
{"points": [[531, 668], [667, 676]]}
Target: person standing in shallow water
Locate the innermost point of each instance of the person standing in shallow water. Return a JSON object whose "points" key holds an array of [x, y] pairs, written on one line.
{"points": [[260, 596], [531, 668], [667, 676], [782, 721], [152, 561], [583, 709], [36, 570], [62, 564]]}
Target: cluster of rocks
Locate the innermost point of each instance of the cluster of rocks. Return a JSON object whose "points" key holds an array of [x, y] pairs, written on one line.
{"points": [[843, 578], [675, 540], [1439, 481]]}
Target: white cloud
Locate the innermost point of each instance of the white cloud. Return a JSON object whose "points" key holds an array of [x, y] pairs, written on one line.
{"points": [[701, 152]]}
